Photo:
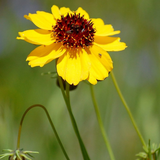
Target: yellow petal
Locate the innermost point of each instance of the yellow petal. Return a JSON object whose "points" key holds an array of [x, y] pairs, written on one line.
{"points": [[48, 16], [41, 20], [64, 11], [61, 65], [44, 54], [97, 22], [98, 70], [82, 13], [37, 36], [105, 32], [85, 64], [102, 29], [103, 57], [69, 67], [74, 66], [73, 69], [104, 39], [113, 46], [27, 40], [56, 12]]}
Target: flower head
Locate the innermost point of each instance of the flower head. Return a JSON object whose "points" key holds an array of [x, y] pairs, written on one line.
{"points": [[79, 44], [18, 154]]}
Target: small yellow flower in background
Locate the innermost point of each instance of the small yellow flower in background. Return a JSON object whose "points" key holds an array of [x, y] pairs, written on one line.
{"points": [[79, 44]]}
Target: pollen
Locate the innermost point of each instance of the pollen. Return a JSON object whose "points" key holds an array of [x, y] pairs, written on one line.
{"points": [[74, 31]]}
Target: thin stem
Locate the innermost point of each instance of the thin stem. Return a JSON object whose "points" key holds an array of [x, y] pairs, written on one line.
{"points": [[74, 124], [149, 150], [104, 134], [127, 108], [84, 151], [67, 94], [51, 123]]}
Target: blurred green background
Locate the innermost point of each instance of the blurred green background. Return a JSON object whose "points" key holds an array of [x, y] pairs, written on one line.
{"points": [[136, 69]]}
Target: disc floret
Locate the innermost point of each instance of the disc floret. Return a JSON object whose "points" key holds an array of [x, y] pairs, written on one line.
{"points": [[74, 31]]}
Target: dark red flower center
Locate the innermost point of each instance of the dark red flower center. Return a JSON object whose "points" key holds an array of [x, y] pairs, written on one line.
{"points": [[74, 31]]}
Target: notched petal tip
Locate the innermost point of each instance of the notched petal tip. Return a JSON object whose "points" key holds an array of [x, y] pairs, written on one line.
{"points": [[27, 17], [35, 64], [124, 44], [20, 38]]}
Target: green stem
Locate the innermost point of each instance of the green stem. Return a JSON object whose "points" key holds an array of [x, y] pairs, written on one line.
{"points": [[51, 123], [127, 108], [105, 137], [149, 151], [75, 127]]}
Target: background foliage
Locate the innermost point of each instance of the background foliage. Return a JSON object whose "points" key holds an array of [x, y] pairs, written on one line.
{"points": [[136, 69]]}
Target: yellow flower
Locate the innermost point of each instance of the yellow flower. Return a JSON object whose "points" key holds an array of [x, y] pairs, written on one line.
{"points": [[79, 44]]}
